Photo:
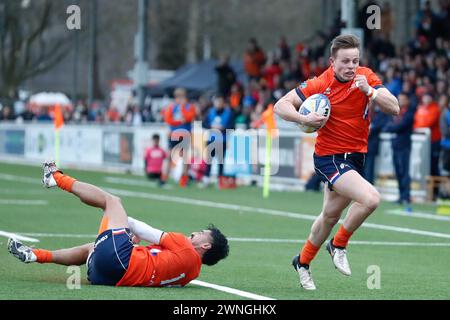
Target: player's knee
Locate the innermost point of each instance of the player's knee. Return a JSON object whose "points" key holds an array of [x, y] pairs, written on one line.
{"points": [[111, 199], [372, 200]]}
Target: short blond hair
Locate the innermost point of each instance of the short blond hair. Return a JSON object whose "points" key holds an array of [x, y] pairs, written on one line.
{"points": [[344, 41], [180, 92]]}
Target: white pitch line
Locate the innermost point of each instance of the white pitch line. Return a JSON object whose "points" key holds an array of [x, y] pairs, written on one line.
{"points": [[134, 182], [257, 240], [272, 212], [352, 242], [20, 202], [17, 236], [237, 292], [59, 235], [10, 177], [240, 208], [20, 191], [413, 214]]}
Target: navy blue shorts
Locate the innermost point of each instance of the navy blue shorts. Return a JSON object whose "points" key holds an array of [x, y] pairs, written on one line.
{"points": [[109, 261], [330, 168]]}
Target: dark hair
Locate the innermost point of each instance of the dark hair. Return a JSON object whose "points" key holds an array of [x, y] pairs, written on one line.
{"points": [[344, 41], [155, 136], [219, 247]]}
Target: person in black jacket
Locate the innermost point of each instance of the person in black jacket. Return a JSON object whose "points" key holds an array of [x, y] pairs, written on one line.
{"points": [[402, 126], [379, 120], [226, 76]]}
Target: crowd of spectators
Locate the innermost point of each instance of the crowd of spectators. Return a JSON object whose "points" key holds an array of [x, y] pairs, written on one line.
{"points": [[420, 70]]}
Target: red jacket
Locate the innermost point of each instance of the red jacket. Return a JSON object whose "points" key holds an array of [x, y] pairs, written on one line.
{"points": [[428, 116]]}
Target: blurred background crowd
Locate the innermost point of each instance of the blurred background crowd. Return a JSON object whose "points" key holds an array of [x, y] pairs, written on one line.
{"points": [[419, 70]]}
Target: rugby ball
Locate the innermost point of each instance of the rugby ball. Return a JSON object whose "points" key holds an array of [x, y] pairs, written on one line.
{"points": [[318, 103]]}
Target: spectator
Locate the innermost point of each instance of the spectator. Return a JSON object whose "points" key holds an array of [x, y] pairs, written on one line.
{"points": [[428, 116], [394, 81], [313, 183], [136, 116], [285, 50], [378, 122], [402, 126], [445, 144], [219, 119], [43, 115], [197, 167], [179, 116], [154, 160], [254, 59], [81, 112], [113, 115], [27, 114], [236, 97], [271, 73], [7, 113], [363, 17], [226, 76], [387, 20]]}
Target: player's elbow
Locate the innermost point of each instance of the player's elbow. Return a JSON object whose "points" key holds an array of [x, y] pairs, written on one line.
{"points": [[395, 107], [280, 107], [111, 199], [277, 107]]}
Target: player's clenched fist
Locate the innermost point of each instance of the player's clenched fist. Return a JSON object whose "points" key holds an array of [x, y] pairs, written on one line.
{"points": [[362, 84]]}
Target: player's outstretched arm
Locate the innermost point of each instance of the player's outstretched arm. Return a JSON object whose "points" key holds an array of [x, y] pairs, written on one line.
{"points": [[145, 232], [287, 108]]}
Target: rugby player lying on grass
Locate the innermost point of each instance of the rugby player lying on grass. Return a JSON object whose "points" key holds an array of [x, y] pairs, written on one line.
{"points": [[171, 259]]}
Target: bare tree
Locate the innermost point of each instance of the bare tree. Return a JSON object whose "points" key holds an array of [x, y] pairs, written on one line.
{"points": [[26, 46]]}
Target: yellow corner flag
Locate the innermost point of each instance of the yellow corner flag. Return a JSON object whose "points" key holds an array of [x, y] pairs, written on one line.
{"points": [[59, 118], [268, 118]]}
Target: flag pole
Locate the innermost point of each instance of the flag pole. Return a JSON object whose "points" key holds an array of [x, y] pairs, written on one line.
{"points": [[267, 165], [57, 141]]}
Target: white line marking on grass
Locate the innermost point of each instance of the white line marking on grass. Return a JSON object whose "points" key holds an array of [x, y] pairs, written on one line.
{"points": [[241, 209], [17, 236], [134, 182], [10, 177], [258, 240], [59, 235], [20, 202], [272, 212], [237, 292], [20, 191], [352, 242], [399, 212]]}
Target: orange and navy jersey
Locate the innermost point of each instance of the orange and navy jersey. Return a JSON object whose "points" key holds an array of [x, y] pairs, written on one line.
{"points": [[174, 262], [347, 129], [180, 116]]}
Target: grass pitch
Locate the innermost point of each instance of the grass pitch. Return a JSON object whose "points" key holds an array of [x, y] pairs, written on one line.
{"points": [[264, 236]]}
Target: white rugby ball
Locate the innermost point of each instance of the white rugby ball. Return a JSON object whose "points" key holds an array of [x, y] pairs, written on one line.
{"points": [[318, 103]]}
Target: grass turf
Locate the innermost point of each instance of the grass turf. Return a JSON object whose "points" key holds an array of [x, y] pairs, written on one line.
{"points": [[407, 272]]}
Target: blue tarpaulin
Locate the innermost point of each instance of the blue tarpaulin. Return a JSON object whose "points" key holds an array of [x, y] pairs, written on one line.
{"points": [[196, 78]]}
